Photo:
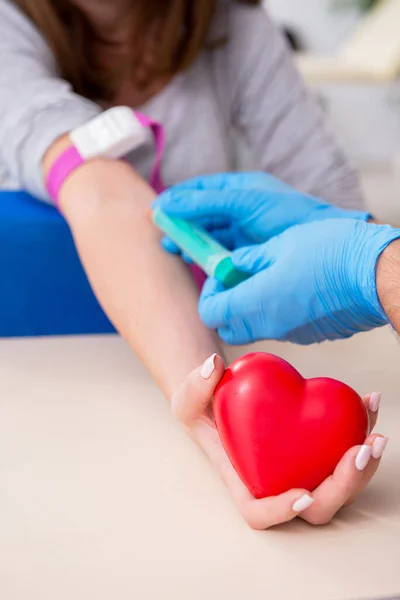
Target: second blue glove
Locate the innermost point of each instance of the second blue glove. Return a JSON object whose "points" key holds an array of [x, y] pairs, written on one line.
{"points": [[312, 283]]}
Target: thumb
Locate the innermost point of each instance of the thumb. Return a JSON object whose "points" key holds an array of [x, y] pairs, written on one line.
{"points": [[253, 259], [195, 394]]}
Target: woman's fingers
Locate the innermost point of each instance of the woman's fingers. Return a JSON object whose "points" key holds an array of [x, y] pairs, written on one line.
{"points": [[372, 403], [352, 474], [194, 396], [265, 513], [258, 514], [378, 448]]}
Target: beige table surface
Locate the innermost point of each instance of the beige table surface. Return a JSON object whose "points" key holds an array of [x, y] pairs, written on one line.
{"points": [[102, 497]]}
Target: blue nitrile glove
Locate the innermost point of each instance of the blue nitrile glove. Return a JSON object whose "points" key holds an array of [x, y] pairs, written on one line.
{"points": [[245, 208], [313, 282]]}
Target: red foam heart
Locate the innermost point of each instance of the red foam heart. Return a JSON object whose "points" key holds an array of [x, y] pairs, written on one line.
{"points": [[281, 431]]}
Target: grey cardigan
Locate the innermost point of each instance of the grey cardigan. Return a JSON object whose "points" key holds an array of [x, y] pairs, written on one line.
{"points": [[250, 85]]}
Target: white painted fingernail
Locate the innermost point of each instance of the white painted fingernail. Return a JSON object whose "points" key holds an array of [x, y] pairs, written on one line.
{"points": [[375, 401], [208, 367], [302, 503], [363, 457], [378, 447]]}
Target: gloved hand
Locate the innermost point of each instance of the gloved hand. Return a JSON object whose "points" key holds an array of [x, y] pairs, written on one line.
{"points": [[245, 208], [313, 282]]}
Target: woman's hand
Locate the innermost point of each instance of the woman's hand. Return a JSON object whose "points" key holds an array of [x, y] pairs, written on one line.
{"points": [[191, 405]]}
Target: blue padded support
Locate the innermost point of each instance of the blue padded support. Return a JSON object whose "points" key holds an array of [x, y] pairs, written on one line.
{"points": [[44, 290]]}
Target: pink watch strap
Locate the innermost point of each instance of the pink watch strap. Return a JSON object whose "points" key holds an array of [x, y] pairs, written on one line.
{"points": [[62, 167], [159, 139], [156, 180], [69, 160]]}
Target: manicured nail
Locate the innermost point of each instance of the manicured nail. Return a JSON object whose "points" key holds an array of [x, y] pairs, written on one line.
{"points": [[363, 457], [302, 503], [375, 401], [208, 367], [378, 447]]}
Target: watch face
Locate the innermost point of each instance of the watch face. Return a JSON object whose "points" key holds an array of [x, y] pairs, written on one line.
{"points": [[113, 134]]}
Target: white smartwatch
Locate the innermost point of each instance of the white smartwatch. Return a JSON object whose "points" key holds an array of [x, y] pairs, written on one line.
{"points": [[112, 134]]}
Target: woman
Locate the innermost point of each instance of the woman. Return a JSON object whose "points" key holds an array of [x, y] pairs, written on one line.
{"points": [[200, 67]]}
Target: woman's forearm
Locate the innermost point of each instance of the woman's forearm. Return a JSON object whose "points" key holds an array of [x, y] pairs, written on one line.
{"points": [[149, 296]]}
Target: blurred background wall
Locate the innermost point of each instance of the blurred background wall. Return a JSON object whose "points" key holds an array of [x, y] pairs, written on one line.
{"points": [[319, 24], [364, 115]]}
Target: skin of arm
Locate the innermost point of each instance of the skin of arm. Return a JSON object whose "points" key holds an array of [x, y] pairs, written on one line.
{"points": [[149, 296], [388, 283]]}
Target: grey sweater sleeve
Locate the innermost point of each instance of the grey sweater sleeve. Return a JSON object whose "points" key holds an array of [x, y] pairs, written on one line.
{"points": [[262, 93], [36, 105], [282, 123]]}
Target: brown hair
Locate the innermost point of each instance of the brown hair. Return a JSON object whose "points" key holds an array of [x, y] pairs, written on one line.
{"points": [[167, 36]]}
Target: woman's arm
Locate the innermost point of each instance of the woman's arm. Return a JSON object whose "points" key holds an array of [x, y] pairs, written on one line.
{"points": [[150, 297], [277, 115]]}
